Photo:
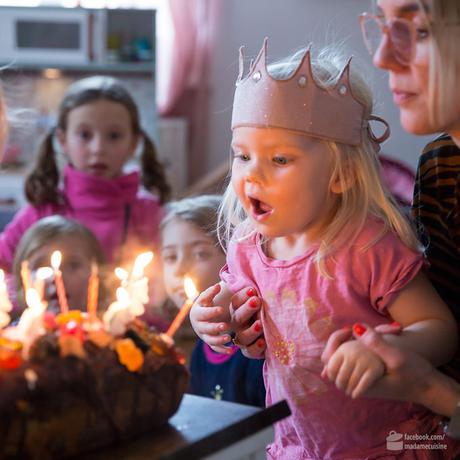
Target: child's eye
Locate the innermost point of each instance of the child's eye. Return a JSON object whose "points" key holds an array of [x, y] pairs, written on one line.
{"points": [[201, 255], [280, 159], [114, 136], [85, 135], [169, 259], [239, 155]]}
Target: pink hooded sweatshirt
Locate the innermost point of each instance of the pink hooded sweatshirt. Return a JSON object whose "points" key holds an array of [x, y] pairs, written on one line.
{"points": [[113, 209]]}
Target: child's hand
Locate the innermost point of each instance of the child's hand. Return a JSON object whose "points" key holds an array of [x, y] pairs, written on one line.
{"points": [[354, 368], [209, 317], [245, 313]]}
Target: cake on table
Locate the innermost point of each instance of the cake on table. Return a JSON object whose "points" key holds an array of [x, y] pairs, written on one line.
{"points": [[71, 382], [71, 395]]}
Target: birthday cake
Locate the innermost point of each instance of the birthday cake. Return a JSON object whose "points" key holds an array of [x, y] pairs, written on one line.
{"points": [[82, 388]]}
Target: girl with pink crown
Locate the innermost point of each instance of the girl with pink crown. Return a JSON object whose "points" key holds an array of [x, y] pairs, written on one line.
{"points": [[309, 225]]}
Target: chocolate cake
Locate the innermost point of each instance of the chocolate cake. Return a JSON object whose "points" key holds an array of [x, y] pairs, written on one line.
{"points": [[81, 389]]}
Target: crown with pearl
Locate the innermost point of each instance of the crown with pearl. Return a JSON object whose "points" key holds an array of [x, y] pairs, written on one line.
{"points": [[299, 103]]}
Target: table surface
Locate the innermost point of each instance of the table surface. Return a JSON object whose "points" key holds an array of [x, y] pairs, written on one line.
{"points": [[200, 427]]}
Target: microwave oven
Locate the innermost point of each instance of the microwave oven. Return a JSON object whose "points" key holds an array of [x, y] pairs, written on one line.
{"points": [[52, 35]]}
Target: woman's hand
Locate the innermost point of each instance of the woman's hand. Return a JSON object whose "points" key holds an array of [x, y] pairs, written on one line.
{"points": [[408, 376]]}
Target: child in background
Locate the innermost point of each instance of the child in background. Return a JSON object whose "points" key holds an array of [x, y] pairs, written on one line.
{"points": [[80, 249], [98, 129], [315, 233], [190, 247]]}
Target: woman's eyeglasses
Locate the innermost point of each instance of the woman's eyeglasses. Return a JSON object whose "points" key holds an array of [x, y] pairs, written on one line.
{"points": [[400, 32]]}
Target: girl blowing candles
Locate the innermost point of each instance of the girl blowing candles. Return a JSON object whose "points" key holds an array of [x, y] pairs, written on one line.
{"points": [[98, 129], [80, 250], [190, 248], [312, 229]]}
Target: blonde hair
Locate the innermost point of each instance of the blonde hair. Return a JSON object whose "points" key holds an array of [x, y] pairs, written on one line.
{"points": [[199, 210], [444, 61], [357, 169], [52, 229]]}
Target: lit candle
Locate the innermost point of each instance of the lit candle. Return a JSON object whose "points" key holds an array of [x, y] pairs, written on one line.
{"points": [[131, 296], [93, 291], [41, 275], [191, 293], [25, 276], [118, 314], [56, 258], [5, 304], [30, 324], [142, 260]]}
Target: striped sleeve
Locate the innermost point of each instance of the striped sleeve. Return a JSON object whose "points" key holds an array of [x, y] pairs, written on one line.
{"points": [[436, 213]]}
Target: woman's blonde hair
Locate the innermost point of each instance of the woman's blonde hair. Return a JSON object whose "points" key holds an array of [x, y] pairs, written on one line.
{"points": [[357, 169], [444, 20]]}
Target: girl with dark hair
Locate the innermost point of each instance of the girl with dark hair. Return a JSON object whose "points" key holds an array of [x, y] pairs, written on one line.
{"points": [[98, 130]]}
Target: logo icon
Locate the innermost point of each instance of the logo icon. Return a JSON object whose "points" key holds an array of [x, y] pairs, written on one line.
{"points": [[395, 441]]}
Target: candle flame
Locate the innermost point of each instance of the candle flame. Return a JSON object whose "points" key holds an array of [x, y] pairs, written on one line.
{"points": [[44, 272], [33, 299], [121, 273], [123, 296], [189, 287], [56, 258], [142, 260]]}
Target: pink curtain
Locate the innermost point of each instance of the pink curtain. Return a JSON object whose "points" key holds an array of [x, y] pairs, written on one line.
{"points": [[183, 69]]}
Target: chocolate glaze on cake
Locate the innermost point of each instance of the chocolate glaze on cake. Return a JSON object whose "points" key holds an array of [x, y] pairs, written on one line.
{"points": [[76, 404]]}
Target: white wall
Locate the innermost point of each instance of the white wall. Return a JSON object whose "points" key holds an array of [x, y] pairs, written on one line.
{"points": [[291, 24]]}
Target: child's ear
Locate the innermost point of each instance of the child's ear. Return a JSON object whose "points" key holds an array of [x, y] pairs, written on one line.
{"points": [[340, 185]]}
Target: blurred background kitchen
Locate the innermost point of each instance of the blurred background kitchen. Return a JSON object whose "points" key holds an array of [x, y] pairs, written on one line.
{"points": [[179, 60]]}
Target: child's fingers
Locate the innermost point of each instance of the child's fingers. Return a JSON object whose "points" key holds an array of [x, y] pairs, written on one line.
{"points": [[216, 340], [207, 313], [221, 349], [213, 329], [335, 340], [246, 311], [354, 379], [256, 350], [245, 337], [206, 298], [333, 366], [240, 297], [343, 376], [368, 378]]}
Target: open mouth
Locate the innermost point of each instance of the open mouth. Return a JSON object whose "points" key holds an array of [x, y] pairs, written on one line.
{"points": [[98, 169], [259, 209]]}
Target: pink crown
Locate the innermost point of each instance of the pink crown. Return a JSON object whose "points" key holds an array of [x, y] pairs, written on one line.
{"points": [[298, 103]]}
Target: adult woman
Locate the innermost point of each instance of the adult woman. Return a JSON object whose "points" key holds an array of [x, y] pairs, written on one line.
{"points": [[415, 42]]}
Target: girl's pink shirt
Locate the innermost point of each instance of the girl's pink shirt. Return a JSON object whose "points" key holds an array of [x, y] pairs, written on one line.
{"points": [[98, 203], [301, 308]]}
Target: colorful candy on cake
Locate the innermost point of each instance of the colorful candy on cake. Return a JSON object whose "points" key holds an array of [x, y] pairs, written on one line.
{"points": [[71, 383]]}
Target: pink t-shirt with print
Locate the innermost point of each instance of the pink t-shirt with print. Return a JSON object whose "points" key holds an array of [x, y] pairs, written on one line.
{"points": [[302, 307]]}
